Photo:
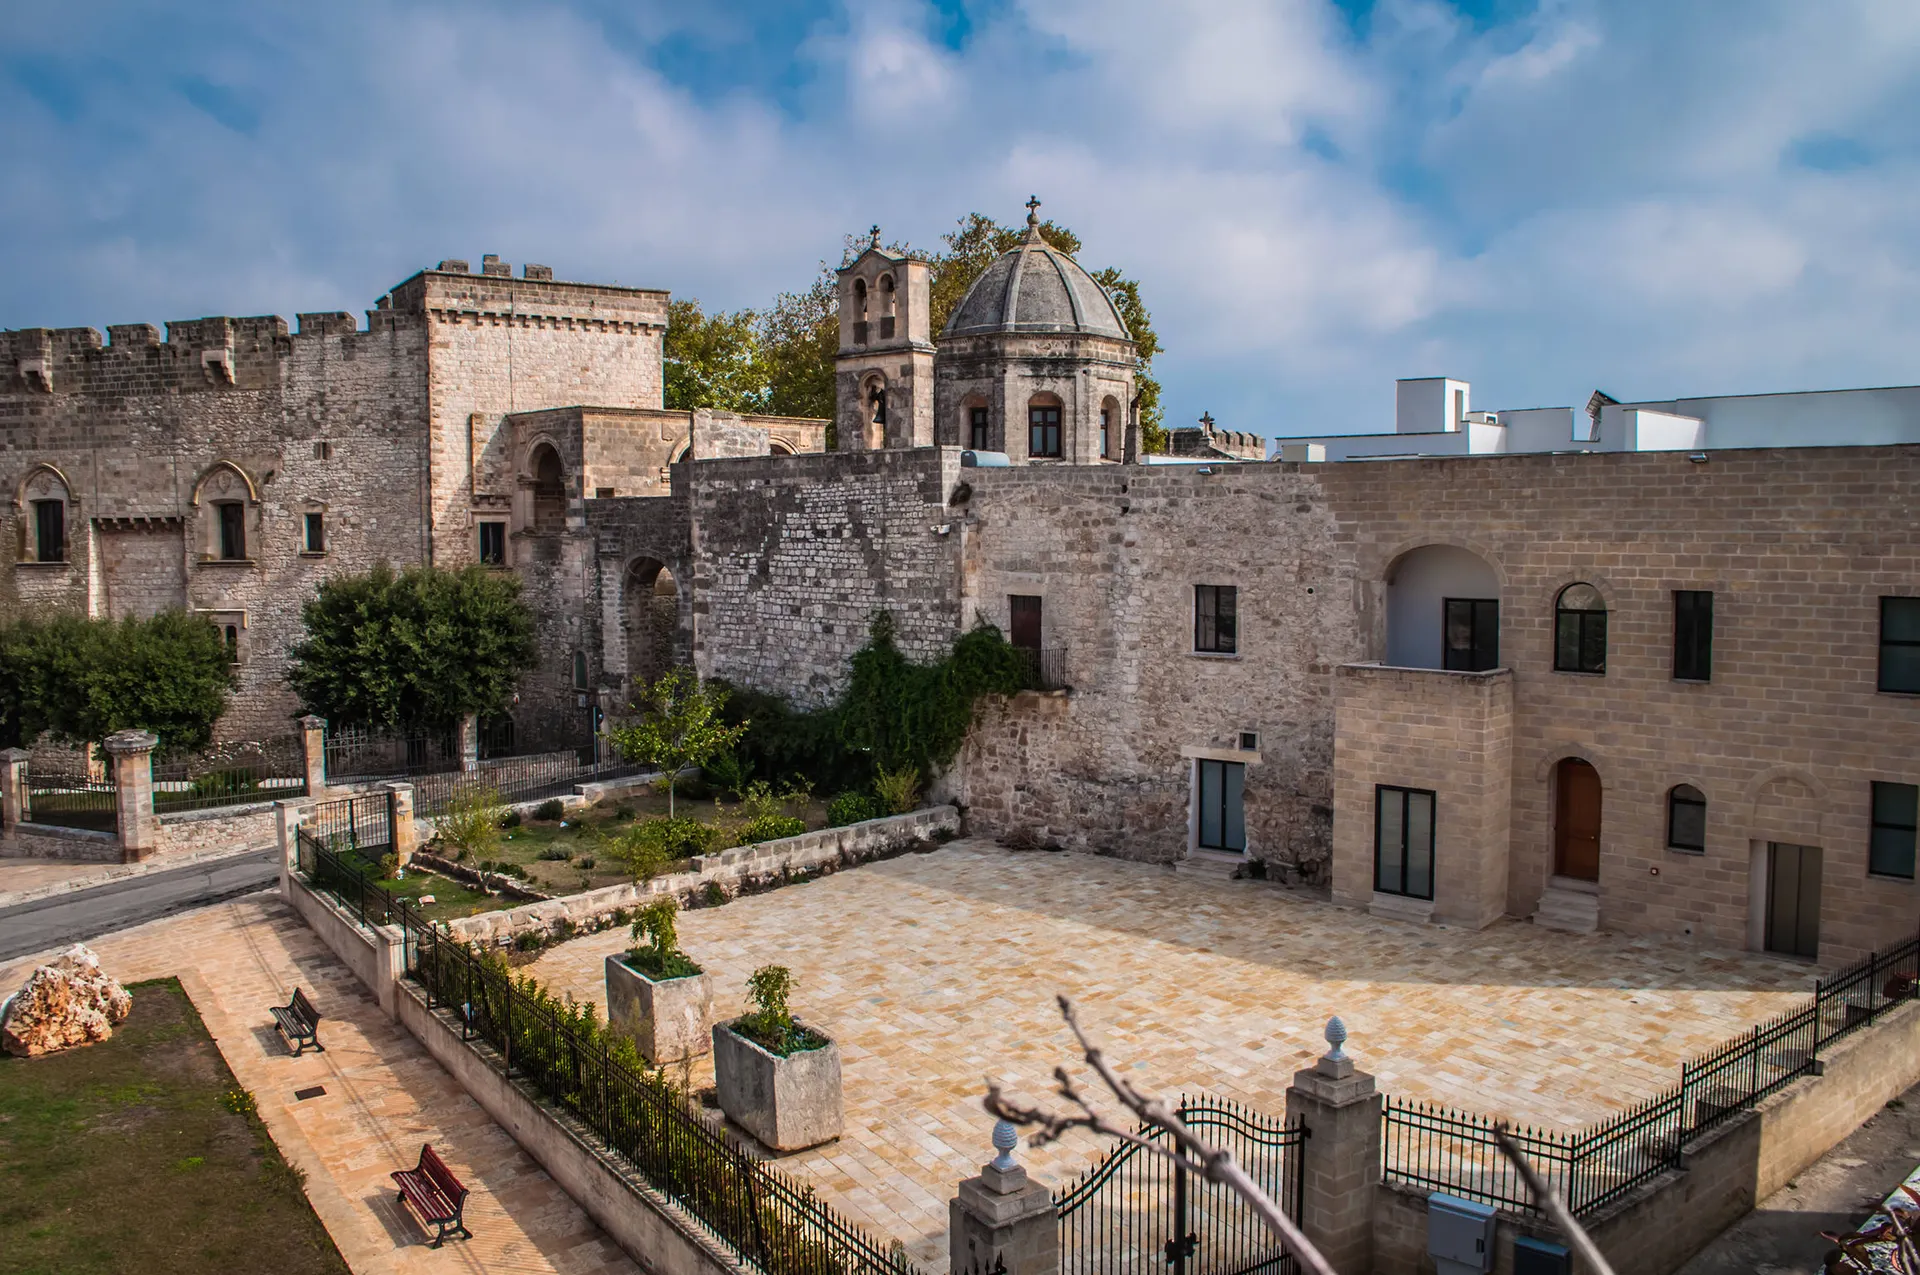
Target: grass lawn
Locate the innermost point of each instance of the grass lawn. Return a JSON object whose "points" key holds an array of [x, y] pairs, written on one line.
{"points": [[131, 1156]]}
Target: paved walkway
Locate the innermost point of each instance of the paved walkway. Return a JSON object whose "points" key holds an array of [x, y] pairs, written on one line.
{"points": [[934, 971], [384, 1097]]}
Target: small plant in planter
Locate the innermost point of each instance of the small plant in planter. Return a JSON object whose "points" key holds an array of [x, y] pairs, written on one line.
{"points": [[656, 995], [777, 1078]]}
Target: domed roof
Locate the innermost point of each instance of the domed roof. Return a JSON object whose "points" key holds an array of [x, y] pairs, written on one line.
{"points": [[1036, 288]]}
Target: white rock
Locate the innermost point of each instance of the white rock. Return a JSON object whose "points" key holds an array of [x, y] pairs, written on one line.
{"points": [[68, 1001]]}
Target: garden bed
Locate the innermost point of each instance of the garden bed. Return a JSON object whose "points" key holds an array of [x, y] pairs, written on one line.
{"points": [[142, 1153]]}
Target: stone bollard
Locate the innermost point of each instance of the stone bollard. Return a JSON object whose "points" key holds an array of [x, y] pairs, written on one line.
{"points": [[1001, 1220], [132, 753], [400, 808], [313, 748], [1341, 1169], [13, 788]]}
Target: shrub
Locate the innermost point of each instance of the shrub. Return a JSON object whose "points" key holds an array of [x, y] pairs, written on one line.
{"points": [[770, 1023], [529, 941], [898, 790], [549, 810], [771, 828], [726, 773], [585, 862], [660, 957], [715, 894], [472, 824], [555, 854], [511, 819], [648, 848], [852, 807]]}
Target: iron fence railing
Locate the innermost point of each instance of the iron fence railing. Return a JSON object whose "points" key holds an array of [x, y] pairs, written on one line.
{"points": [[71, 797], [350, 875], [358, 752], [528, 779], [232, 774], [1438, 1148], [1045, 668], [356, 825], [1137, 1211]]}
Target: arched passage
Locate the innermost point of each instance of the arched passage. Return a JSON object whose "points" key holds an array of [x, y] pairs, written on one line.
{"points": [[651, 614], [549, 491], [1443, 610]]}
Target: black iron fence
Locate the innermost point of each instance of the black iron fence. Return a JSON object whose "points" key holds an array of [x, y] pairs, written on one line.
{"points": [[1137, 1211], [72, 797], [358, 752], [521, 779], [232, 774], [358, 825], [780, 1227], [1438, 1148], [1045, 668]]}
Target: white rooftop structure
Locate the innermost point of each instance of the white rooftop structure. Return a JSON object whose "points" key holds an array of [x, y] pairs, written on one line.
{"points": [[1434, 416]]}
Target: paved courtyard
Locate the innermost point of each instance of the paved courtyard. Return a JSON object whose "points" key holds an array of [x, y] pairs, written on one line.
{"points": [[934, 971], [384, 1097]]}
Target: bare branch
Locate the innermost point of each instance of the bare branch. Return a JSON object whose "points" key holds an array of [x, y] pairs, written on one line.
{"points": [[1188, 1151], [1549, 1199]]}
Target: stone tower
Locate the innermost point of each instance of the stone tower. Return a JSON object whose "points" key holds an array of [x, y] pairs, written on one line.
{"points": [[883, 374]]}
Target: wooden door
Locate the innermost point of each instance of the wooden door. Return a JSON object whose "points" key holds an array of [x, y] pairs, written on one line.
{"points": [[1026, 621], [1793, 900], [1576, 821]]}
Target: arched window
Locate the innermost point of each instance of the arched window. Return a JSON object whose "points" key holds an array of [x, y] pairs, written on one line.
{"points": [[230, 512], [877, 401], [859, 311], [45, 501], [1580, 630], [549, 491], [1686, 818], [886, 307], [1110, 428]]}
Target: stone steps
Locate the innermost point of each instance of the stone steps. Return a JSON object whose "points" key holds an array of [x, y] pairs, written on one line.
{"points": [[1207, 868], [1573, 908]]}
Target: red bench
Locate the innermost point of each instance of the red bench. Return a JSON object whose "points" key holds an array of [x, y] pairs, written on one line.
{"points": [[433, 1193]]}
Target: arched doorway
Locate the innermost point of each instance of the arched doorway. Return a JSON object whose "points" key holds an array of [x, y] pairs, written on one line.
{"points": [[652, 617], [1576, 820], [549, 491], [1443, 610]]}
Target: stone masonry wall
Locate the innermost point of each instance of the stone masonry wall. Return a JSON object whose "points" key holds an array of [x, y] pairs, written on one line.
{"points": [[793, 555]]}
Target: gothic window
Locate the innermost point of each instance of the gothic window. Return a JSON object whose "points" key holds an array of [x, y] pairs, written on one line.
{"points": [[50, 530], [226, 509], [233, 530], [1580, 630]]}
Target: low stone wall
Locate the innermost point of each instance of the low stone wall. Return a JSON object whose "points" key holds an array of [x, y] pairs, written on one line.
{"points": [[49, 841], [660, 1236], [189, 830], [1658, 1227], [356, 945], [828, 847]]}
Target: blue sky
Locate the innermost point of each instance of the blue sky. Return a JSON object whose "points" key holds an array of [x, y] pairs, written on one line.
{"points": [[1318, 196]]}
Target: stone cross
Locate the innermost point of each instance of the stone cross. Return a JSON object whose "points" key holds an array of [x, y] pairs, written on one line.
{"points": [[1033, 210]]}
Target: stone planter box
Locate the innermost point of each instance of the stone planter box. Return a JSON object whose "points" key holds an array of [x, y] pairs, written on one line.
{"points": [[669, 1020], [788, 1103]]}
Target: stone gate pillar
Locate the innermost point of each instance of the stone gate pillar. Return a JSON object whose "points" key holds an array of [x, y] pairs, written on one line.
{"points": [[468, 733], [400, 807], [1002, 1220], [1341, 1169], [313, 747], [13, 788], [132, 754]]}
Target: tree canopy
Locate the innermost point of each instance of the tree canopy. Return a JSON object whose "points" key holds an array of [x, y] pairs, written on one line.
{"points": [[420, 648], [780, 360], [81, 679]]}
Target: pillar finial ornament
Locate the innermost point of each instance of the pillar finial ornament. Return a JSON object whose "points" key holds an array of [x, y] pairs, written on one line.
{"points": [[1005, 1139], [1336, 1036]]}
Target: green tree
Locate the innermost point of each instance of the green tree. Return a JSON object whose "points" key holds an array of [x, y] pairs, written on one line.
{"points": [[420, 648], [680, 725], [82, 679], [714, 360], [799, 335]]}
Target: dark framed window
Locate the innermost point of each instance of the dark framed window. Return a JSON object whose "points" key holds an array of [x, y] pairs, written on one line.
{"points": [[579, 670], [1579, 630], [1895, 807], [603, 493], [1024, 616], [977, 436], [1222, 822], [50, 530], [1216, 618], [1686, 818], [1043, 431], [1692, 635], [1472, 634], [233, 529], [232, 634], [1900, 645], [1106, 415], [1403, 841], [493, 544], [316, 537]]}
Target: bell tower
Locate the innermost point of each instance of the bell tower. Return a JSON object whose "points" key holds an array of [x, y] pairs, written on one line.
{"points": [[883, 373]]}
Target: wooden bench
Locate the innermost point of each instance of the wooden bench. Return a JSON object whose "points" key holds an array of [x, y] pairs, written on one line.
{"points": [[299, 1022], [432, 1191]]}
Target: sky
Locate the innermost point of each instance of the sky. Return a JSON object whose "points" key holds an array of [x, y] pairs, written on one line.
{"points": [[1543, 197]]}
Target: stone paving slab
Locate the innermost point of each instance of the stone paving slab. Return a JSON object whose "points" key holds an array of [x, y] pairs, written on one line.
{"points": [[384, 1097], [935, 971]]}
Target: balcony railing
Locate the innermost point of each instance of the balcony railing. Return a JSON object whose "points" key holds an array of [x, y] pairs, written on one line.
{"points": [[1046, 668]]}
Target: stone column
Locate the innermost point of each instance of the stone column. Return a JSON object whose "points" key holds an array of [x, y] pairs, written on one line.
{"points": [[13, 788], [400, 805], [1000, 1217], [313, 746], [469, 733], [1341, 1109], [132, 754]]}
